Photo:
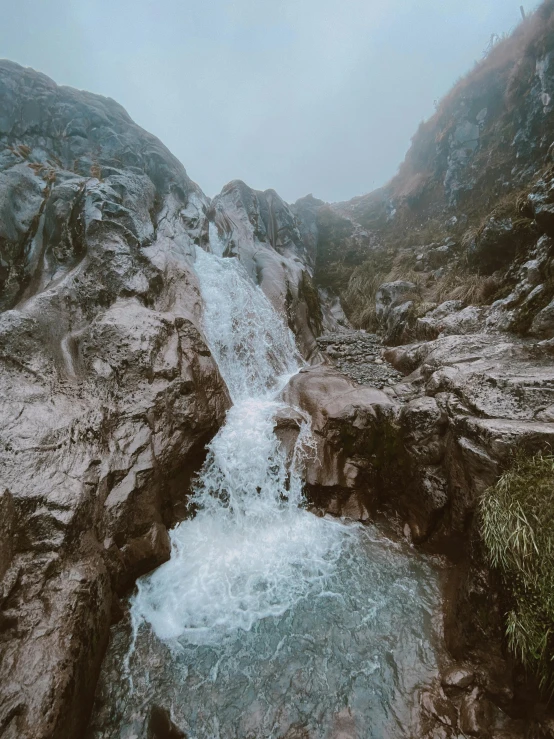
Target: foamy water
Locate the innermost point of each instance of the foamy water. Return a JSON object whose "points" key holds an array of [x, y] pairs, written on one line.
{"points": [[268, 622], [251, 551]]}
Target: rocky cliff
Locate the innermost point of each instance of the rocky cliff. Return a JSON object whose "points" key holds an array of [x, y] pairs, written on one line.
{"points": [[468, 216], [109, 392]]}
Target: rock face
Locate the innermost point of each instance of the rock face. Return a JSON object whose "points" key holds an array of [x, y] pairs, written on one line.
{"points": [[109, 392], [262, 231], [469, 212]]}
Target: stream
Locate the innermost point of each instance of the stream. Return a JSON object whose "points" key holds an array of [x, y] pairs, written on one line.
{"points": [[269, 621]]}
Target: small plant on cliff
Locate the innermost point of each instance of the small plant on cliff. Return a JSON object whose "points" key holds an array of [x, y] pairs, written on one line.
{"points": [[517, 526]]}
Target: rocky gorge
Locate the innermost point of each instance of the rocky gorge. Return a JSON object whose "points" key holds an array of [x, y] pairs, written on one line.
{"points": [[423, 319]]}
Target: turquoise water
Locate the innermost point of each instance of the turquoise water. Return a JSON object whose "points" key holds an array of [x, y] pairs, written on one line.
{"points": [[352, 651]]}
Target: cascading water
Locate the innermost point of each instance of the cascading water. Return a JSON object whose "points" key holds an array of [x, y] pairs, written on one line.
{"points": [[269, 621], [250, 551]]}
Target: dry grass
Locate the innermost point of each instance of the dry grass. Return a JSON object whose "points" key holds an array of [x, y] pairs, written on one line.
{"points": [[456, 284], [359, 296], [471, 289], [96, 171]]}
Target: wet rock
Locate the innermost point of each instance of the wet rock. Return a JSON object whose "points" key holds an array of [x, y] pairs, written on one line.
{"points": [[354, 507], [143, 553], [263, 232], [109, 390], [7, 531], [543, 323], [344, 726], [458, 677], [393, 304], [438, 706], [476, 715], [160, 725], [345, 419]]}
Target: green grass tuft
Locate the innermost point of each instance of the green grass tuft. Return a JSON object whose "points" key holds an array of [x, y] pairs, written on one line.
{"points": [[517, 526]]}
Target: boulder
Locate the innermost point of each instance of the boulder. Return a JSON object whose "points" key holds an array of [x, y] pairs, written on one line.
{"points": [[346, 420], [542, 325], [458, 677], [393, 307], [476, 715]]}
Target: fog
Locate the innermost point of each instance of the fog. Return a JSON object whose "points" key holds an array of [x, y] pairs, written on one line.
{"points": [[305, 96]]}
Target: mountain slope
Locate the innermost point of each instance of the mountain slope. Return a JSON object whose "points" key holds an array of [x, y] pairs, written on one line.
{"points": [[470, 201]]}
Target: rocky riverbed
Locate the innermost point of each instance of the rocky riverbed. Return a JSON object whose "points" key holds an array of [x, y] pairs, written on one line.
{"points": [[359, 356]]}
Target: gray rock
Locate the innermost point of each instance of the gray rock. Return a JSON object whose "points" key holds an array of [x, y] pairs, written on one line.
{"points": [[543, 322], [392, 294], [458, 677], [476, 715], [109, 392], [444, 321], [438, 706]]}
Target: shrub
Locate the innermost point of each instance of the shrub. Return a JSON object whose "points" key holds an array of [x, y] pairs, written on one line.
{"points": [[517, 527]]}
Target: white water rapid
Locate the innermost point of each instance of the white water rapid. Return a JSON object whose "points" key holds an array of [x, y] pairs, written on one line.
{"points": [[251, 551], [268, 622]]}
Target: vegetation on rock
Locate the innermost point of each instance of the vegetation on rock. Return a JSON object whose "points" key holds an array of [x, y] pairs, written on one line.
{"points": [[472, 197], [517, 526]]}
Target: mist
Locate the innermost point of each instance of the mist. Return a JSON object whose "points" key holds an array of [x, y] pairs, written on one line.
{"points": [[304, 96]]}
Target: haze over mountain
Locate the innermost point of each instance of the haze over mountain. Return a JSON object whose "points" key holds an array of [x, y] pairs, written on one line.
{"points": [[315, 96]]}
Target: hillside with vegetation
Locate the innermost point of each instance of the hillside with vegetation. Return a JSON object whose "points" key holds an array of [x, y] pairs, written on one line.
{"points": [[471, 199]]}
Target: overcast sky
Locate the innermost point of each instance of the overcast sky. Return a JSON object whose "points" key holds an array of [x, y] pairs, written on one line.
{"points": [[317, 96]]}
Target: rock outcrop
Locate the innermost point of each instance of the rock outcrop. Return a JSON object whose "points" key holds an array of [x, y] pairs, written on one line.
{"points": [[262, 231], [109, 392]]}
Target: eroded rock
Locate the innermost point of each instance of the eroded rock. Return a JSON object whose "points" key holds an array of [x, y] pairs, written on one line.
{"points": [[263, 232], [109, 392]]}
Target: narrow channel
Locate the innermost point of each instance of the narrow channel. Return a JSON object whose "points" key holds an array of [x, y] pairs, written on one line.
{"points": [[269, 621]]}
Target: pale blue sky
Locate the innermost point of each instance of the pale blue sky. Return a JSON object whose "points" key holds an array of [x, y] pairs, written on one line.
{"points": [[303, 96]]}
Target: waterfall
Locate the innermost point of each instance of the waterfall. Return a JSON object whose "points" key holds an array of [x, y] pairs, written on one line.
{"points": [[254, 350], [268, 621], [251, 551]]}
